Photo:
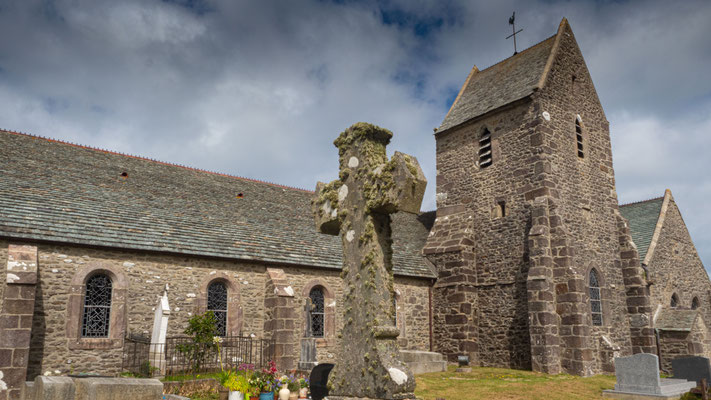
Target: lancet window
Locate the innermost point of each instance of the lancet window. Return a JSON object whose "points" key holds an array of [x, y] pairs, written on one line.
{"points": [[317, 314], [595, 300], [97, 307], [217, 303]]}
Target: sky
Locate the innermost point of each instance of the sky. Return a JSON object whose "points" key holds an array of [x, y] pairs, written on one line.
{"points": [[260, 89]]}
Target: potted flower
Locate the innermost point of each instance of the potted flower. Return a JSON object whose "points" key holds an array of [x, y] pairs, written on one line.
{"points": [[293, 385], [265, 381], [284, 392], [304, 388], [239, 387]]}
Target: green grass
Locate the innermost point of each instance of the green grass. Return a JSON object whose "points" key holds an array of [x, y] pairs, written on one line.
{"points": [[499, 383]]}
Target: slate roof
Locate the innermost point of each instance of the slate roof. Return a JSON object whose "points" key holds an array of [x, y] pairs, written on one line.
{"points": [[643, 217], [511, 79], [676, 320], [60, 192]]}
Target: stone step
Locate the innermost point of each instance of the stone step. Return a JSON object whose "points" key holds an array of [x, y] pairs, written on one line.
{"points": [[427, 366], [421, 362], [409, 356]]}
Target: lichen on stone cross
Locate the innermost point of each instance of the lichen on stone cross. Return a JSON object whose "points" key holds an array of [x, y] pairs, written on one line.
{"points": [[357, 206]]}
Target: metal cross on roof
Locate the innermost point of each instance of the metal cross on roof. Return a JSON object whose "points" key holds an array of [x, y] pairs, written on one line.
{"points": [[512, 22]]}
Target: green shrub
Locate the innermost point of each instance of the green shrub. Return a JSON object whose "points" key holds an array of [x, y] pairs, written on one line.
{"points": [[202, 329]]}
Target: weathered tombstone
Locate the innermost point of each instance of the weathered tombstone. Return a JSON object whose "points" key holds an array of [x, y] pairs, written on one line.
{"points": [[639, 375], [358, 206], [160, 329], [318, 381], [692, 368], [308, 354]]}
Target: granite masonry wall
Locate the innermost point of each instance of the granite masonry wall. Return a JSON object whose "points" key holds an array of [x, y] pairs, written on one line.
{"points": [[147, 275], [675, 344], [479, 300], [675, 267], [535, 155], [589, 215]]}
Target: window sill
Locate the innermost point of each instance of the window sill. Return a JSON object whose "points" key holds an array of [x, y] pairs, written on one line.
{"points": [[94, 344]]}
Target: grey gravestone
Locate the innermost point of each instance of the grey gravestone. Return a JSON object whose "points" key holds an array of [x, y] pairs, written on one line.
{"points": [[639, 374], [357, 206], [308, 354], [692, 368]]}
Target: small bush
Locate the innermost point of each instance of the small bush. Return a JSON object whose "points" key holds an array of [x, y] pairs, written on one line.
{"points": [[202, 329]]}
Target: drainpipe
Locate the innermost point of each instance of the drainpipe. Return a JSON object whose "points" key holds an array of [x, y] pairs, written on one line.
{"points": [[429, 310], [659, 351]]}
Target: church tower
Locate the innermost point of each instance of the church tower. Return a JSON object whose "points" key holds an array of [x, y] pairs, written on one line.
{"points": [[536, 268]]}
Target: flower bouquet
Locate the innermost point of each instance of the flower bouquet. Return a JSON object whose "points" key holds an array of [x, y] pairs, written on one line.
{"points": [[265, 381]]}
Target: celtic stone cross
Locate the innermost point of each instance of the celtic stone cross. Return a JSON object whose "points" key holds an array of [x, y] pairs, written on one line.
{"points": [[358, 206]]}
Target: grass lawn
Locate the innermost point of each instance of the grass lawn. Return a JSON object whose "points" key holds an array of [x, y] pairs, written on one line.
{"points": [[499, 383]]}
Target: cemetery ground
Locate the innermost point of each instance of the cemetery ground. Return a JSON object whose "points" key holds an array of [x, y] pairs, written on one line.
{"points": [[485, 383], [510, 384]]}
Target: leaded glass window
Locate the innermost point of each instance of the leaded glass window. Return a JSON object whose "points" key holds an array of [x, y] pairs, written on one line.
{"points": [[217, 303], [97, 307], [595, 300], [317, 314]]}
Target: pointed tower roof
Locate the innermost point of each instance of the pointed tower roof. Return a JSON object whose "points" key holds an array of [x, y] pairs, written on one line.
{"points": [[503, 83]]}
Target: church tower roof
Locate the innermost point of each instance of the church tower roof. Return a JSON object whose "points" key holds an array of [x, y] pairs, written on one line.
{"points": [[503, 83]]}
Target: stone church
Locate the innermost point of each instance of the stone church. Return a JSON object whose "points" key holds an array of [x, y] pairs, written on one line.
{"points": [[528, 262]]}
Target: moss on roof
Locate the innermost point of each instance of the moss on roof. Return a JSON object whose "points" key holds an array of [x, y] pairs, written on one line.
{"points": [[73, 194]]}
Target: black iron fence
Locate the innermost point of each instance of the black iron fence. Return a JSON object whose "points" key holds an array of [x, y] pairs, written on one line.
{"points": [[180, 355]]}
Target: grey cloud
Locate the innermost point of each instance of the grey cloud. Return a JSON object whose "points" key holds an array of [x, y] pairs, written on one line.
{"points": [[261, 89]]}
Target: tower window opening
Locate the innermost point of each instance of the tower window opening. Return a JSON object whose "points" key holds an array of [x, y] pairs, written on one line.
{"points": [[485, 149], [595, 299], [695, 303], [579, 138], [674, 301], [501, 205]]}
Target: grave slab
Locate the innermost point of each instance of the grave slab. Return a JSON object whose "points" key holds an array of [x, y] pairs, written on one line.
{"points": [[638, 378], [692, 368]]}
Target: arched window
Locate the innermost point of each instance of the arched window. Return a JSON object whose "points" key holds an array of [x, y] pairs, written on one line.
{"points": [[97, 307], [674, 300], [695, 303], [317, 314], [217, 303], [595, 300], [579, 137], [485, 149]]}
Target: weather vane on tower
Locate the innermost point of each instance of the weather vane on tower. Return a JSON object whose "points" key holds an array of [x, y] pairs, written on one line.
{"points": [[512, 22]]}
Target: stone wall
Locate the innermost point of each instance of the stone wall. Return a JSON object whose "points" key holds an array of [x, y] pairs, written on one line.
{"points": [[534, 151], [147, 275], [675, 344], [588, 200], [675, 266], [478, 252]]}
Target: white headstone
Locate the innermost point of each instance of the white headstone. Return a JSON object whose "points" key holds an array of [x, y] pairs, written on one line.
{"points": [[160, 330]]}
